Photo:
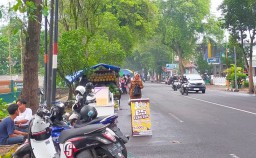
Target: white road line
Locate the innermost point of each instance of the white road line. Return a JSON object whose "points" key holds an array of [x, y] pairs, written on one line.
{"points": [[248, 112], [175, 117], [233, 155]]}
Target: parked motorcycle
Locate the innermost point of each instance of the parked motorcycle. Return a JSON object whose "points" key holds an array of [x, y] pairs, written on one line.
{"points": [[91, 141]]}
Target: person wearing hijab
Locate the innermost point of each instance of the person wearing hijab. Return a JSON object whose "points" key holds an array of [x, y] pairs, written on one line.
{"points": [[135, 81]]}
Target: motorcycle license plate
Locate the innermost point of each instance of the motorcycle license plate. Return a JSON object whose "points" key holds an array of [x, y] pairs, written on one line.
{"points": [[115, 148], [196, 88]]}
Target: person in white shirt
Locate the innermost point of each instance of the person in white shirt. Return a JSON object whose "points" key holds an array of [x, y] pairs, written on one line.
{"points": [[22, 121]]}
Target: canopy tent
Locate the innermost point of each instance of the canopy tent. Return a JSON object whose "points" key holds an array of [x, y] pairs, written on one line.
{"points": [[107, 66], [80, 73]]}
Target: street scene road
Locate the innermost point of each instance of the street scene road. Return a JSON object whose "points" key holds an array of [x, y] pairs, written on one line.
{"points": [[217, 124]]}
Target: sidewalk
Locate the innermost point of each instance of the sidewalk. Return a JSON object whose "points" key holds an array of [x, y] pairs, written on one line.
{"points": [[224, 88]]}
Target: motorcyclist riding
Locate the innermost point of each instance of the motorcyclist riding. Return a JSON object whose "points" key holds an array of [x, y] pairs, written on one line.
{"points": [[184, 79]]}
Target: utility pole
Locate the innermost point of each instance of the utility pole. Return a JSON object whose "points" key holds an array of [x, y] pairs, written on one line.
{"points": [[55, 50], [45, 53], [236, 88], [49, 64]]}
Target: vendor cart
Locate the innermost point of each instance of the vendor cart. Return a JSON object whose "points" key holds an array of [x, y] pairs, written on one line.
{"points": [[102, 76]]}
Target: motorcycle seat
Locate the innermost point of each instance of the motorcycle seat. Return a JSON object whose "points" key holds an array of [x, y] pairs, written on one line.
{"points": [[80, 124], [76, 132]]}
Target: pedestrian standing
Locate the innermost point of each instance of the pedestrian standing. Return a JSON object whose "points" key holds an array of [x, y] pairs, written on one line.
{"points": [[135, 82], [128, 83]]}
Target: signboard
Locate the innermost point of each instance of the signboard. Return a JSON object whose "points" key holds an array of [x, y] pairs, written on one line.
{"points": [[18, 85], [213, 60], [171, 66], [141, 121]]}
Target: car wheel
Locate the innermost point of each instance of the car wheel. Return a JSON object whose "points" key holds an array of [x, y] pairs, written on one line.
{"points": [[196, 91], [203, 91]]}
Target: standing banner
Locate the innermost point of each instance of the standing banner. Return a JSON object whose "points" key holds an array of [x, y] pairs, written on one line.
{"points": [[140, 113]]}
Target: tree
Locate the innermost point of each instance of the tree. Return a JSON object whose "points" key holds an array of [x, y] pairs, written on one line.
{"points": [[240, 20], [72, 46], [33, 8], [181, 23], [111, 28], [202, 65]]}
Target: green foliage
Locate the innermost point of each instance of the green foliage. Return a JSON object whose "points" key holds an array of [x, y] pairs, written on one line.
{"points": [[3, 107], [231, 75], [73, 55], [202, 65], [246, 84], [181, 22]]}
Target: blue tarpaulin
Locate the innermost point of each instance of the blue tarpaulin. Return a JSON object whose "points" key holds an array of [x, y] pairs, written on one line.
{"points": [[76, 75], [107, 66]]}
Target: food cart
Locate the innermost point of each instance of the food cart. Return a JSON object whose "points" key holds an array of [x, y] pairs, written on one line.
{"points": [[105, 79]]}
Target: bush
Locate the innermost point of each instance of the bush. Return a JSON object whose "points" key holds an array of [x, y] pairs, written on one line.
{"points": [[246, 84], [3, 107], [231, 75]]}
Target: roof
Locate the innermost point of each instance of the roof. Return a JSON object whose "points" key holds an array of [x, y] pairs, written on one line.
{"points": [[73, 77]]}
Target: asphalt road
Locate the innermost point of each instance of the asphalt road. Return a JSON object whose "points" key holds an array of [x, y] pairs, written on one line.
{"points": [[217, 124]]}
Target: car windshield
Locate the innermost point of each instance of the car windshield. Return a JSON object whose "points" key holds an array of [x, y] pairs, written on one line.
{"points": [[194, 77]]}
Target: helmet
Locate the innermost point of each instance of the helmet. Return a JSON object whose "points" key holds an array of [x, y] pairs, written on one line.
{"points": [[89, 86], [57, 111], [88, 113], [80, 90]]}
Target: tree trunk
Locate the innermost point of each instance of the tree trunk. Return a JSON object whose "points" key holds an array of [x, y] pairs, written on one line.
{"points": [[181, 67], [30, 60], [70, 92]]}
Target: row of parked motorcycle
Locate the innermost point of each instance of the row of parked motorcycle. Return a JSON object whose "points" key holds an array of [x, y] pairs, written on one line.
{"points": [[55, 134], [180, 84]]}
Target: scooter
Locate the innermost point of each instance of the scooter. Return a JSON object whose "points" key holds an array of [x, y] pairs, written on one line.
{"points": [[89, 141], [175, 85], [184, 89]]}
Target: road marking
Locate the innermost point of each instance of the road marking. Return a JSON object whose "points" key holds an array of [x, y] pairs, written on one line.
{"points": [[223, 105], [233, 155], [176, 117]]}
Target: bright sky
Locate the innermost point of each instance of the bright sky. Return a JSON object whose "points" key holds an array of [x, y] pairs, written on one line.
{"points": [[214, 6]]}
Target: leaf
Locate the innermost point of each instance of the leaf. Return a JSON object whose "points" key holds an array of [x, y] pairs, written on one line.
{"points": [[45, 11]]}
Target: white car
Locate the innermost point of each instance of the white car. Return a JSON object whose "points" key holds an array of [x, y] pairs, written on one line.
{"points": [[195, 83]]}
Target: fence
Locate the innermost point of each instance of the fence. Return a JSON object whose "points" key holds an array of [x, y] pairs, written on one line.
{"points": [[221, 81], [10, 90]]}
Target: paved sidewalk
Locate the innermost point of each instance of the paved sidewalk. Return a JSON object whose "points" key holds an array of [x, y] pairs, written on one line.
{"points": [[224, 88]]}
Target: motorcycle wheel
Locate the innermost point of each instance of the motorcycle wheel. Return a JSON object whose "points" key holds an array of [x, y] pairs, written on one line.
{"points": [[186, 91], [181, 91]]}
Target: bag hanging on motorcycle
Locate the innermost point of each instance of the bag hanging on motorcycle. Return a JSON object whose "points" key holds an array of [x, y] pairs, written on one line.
{"points": [[137, 90]]}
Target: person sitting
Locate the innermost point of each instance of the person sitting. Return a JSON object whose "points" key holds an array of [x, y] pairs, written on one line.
{"points": [[22, 121], [8, 134]]}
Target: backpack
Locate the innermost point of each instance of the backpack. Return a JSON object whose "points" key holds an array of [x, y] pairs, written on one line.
{"points": [[137, 90]]}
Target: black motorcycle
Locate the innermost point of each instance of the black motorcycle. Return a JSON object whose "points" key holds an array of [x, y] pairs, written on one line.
{"points": [[176, 85], [184, 88]]}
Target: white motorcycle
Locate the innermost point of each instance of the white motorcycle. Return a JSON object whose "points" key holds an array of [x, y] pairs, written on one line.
{"points": [[92, 141]]}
